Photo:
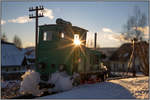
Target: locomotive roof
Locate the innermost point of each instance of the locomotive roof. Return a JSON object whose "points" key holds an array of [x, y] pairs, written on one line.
{"points": [[56, 25]]}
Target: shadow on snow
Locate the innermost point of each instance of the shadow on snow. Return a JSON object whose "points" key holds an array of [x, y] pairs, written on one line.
{"points": [[104, 90]]}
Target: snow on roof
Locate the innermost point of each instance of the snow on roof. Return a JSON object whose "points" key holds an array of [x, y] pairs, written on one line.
{"points": [[11, 55]]}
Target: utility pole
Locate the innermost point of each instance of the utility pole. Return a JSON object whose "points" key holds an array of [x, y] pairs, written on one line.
{"points": [[95, 40], [37, 15]]}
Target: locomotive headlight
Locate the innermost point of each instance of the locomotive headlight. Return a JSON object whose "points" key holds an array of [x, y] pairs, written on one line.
{"points": [[76, 39]]}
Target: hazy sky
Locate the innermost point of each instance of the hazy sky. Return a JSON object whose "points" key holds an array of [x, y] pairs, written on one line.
{"points": [[106, 18]]}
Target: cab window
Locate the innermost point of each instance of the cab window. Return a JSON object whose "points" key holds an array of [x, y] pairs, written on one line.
{"points": [[47, 36], [62, 35]]}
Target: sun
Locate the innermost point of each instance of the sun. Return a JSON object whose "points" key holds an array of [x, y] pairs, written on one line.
{"points": [[77, 42]]}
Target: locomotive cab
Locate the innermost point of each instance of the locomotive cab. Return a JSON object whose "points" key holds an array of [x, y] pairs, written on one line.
{"points": [[59, 44]]}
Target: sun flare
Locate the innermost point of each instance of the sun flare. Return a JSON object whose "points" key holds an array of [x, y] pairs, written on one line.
{"points": [[77, 42]]}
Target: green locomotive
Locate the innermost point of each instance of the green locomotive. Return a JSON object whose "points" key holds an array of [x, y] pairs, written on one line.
{"points": [[62, 43]]}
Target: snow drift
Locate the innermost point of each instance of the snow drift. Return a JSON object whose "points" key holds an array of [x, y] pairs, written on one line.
{"points": [[62, 82], [30, 82]]}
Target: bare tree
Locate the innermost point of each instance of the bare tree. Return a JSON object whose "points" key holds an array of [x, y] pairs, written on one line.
{"points": [[17, 41], [4, 37], [136, 21], [132, 32]]}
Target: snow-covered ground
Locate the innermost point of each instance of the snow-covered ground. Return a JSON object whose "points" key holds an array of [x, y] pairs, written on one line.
{"points": [[137, 86], [129, 88], [125, 74]]}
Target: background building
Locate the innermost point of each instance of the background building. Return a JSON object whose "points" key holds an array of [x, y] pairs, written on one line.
{"points": [[13, 61]]}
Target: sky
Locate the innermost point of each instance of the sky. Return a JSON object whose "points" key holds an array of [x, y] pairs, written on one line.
{"points": [[105, 18]]}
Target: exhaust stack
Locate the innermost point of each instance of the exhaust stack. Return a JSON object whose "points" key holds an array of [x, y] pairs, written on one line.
{"points": [[95, 40]]}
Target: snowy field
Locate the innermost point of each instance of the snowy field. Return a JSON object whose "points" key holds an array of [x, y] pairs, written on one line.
{"points": [[129, 88]]}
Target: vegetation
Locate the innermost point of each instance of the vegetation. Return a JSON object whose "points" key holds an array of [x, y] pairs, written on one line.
{"points": [[134, 33], [135, 22], [4, 37], [17, 41]]}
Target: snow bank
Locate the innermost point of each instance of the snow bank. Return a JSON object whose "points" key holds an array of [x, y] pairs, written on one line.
{"points": [[30, 83], [31, 80], [62, 82], [137, 86], [75, 75]]}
